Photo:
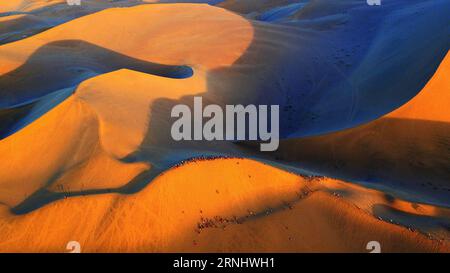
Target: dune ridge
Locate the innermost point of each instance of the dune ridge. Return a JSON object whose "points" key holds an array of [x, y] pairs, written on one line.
{"points": [[278, 211], [90, 97]]}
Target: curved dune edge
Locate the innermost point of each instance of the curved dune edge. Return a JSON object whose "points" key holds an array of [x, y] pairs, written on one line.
{"points": [[88, 149], [149, 42], [238, 205], [404, 151], [81, 143], [26, 5], [432, 102]]}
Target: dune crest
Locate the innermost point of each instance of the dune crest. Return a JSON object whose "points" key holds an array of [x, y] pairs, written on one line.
{"points": [[101, 124], [256, 208], [402, 152], [86, 151]]}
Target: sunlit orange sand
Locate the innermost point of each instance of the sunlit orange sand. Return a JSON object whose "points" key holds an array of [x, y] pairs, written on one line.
{"points": [[408, 146], [101, 123], [218, 205], [95, 148]]}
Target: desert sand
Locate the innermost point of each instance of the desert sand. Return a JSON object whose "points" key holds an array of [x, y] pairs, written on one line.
{"points": [[85, 147], [252, 207]]}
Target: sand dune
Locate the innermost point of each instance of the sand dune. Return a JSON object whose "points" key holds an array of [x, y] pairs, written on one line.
{"points": [[27, 5], [403, 151], [250, 208], [403, 154], [22, 19], [85, 61], [116, 136], [86, 152]]}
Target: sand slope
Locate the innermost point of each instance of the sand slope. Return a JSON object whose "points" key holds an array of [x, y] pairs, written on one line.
{"points": [[86, 152], [252, 207], [110, 120], [404, 150]]}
